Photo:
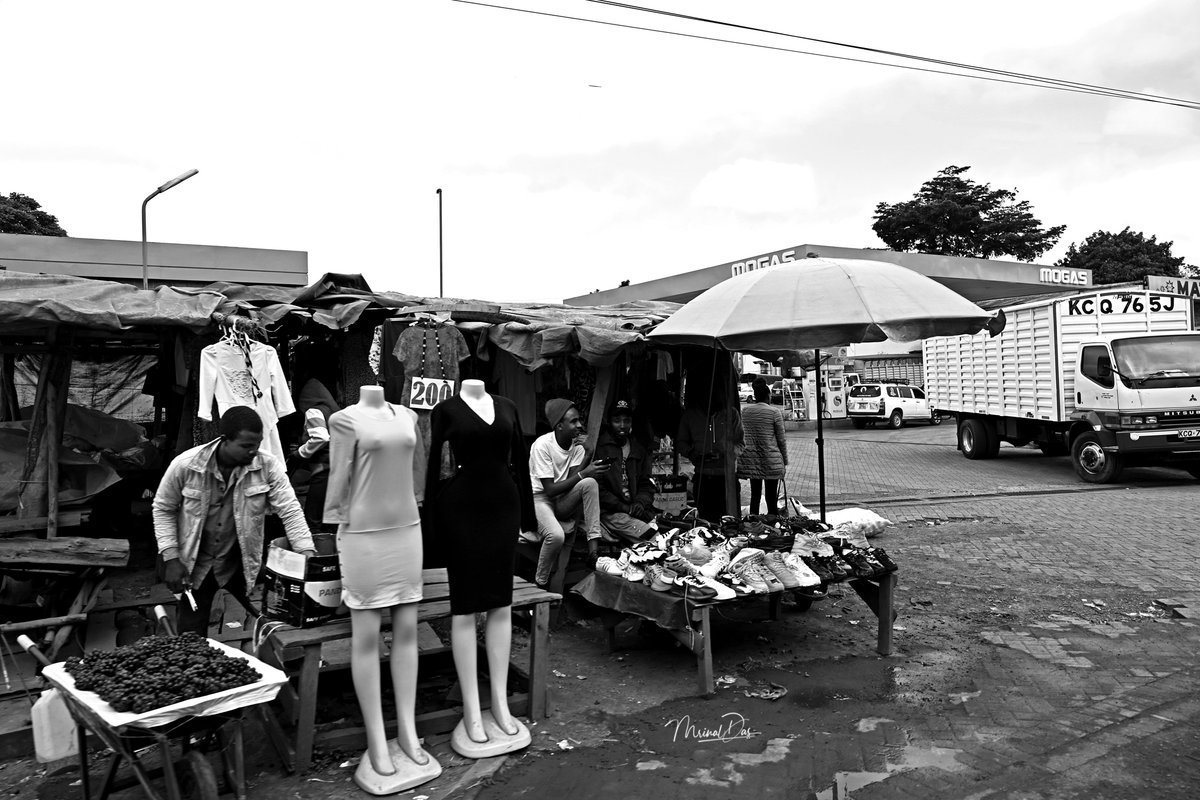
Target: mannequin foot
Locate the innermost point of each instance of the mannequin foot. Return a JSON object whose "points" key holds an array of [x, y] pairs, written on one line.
{"points": [[506, 722], [474, 730], [413, 751], [382, 766]]}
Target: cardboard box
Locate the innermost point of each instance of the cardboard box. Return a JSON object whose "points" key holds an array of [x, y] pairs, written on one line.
{"points": [[302, 592], [671, 496]]}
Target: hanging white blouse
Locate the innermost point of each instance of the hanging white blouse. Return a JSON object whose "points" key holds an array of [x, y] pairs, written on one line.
{"points": [[226, 376]]}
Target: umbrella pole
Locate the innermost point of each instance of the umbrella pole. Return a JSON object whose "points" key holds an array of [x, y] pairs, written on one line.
{"points": [[820, 437]]}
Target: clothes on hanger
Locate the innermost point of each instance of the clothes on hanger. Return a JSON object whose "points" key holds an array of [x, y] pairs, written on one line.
{"points": [[430, 349], [238, 371]]}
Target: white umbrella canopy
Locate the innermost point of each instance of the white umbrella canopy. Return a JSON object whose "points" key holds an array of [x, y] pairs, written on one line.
{"points": [[819, 303]]}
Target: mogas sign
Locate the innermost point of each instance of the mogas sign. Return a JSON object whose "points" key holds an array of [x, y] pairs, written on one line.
{"points": [[759, 262], [1070, 277]]}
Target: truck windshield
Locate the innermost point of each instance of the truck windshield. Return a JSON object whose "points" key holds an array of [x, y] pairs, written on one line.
{"points": [[1159, 360]]}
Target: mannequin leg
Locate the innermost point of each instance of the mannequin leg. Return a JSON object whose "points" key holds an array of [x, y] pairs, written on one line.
{"points": [[364, 669], [499, 648], [404, 680], [464, 646]]}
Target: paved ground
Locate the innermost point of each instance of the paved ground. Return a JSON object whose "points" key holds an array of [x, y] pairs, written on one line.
{"points": [[1031, 658]]}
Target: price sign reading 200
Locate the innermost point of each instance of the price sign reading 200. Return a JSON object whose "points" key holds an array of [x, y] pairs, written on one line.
{"points": [[428, 392]]}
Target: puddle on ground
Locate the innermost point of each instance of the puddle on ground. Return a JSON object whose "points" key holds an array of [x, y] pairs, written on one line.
{"points": [[905, 758], [813, 684]]}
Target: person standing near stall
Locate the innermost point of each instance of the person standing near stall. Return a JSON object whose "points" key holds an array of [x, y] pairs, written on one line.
{"points": [[209, 512], [764, 461], [709, 432]]}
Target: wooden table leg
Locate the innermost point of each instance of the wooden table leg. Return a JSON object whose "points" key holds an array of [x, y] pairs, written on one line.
{"points": [[81, 733], [539, 663], [775, 600], [704, 664], [887, 591], [310, 672]]}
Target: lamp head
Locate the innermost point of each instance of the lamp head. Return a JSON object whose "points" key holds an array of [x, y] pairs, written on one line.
{"points": [[176, 181]]}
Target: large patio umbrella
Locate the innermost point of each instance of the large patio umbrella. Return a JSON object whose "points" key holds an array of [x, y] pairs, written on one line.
{"points": [[820, 303]]}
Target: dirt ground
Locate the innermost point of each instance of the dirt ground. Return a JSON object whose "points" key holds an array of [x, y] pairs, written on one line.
{"points": [[630, 712]]}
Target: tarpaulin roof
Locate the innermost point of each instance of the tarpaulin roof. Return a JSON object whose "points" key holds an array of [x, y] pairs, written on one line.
{"points": [[31, 302], [532, 332]]}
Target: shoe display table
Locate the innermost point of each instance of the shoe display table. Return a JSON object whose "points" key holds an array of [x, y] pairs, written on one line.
{"points": [[298, 651], [689, 622]]}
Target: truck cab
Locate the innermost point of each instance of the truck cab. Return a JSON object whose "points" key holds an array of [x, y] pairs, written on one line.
{"points": [[1136, 400]]}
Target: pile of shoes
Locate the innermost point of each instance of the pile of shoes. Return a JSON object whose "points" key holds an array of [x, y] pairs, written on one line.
{"points": [[700, 563]]}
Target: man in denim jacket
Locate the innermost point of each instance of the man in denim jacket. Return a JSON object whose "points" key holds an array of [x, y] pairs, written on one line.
{"points": [[209, 511]]}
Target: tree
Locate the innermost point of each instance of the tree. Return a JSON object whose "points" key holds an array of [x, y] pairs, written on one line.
{"points": [[20, 213], [1122, 257], [954, 216]]}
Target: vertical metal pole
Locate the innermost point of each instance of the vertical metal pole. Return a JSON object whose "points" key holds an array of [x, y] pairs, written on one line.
{"points": [[820, 438], [441, 290], [145, 262]]}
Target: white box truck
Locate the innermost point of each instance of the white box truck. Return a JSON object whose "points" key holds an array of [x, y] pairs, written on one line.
{"points": [[1110, 377]]}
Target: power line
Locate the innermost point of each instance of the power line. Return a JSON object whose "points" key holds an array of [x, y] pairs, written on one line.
{"points": [[1062, 86], [1121, 92]]}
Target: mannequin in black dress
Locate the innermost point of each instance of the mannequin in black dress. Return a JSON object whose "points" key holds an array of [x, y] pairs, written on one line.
{"points": [[479, 513]]}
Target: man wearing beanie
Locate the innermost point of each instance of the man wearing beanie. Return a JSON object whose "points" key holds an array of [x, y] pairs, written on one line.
{"points": [[564, 485]]}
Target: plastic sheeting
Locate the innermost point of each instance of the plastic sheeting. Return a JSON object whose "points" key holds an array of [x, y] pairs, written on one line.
{"points": [[30, 303], [79, 476]]}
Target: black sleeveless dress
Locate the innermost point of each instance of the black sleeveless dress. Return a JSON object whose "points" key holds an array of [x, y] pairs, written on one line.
{"points": [[477, 514]]}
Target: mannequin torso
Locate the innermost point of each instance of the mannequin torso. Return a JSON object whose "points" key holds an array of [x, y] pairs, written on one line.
{"points": [[478, 400]]}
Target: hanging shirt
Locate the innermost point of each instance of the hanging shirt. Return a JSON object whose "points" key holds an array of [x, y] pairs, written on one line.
{"points": [[236, 377]]}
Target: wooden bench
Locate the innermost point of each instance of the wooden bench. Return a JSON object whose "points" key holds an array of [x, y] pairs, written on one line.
{"points": [[301, 653]]}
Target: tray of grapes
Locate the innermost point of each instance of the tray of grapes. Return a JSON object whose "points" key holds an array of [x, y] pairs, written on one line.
{"points": [[162, 679]]}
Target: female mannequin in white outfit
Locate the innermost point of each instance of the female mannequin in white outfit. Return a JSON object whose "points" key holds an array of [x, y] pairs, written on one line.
{"points": [[478, 513], [373, 447]]}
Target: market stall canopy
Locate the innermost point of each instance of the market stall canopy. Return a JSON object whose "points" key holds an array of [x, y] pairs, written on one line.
{"points": [[32, 302], [531, 332], [818, 303]]}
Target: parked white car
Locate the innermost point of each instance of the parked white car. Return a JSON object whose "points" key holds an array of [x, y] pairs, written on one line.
{"points": [[894, 403]]}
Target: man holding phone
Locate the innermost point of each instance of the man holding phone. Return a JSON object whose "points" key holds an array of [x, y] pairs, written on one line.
{"points": [[564, 485]]}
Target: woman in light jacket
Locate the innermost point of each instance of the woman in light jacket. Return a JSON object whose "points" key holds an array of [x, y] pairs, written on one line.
{"points": [[765, 458]]}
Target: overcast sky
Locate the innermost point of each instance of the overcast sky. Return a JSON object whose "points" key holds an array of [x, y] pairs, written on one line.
{"points": [[571, 155]]}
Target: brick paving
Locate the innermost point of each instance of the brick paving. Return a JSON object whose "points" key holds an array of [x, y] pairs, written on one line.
{"points": [[1046, 646]]}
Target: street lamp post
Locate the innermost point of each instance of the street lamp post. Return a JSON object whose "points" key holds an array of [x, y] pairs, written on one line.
{"points": [[168, 185], [441, 291]]}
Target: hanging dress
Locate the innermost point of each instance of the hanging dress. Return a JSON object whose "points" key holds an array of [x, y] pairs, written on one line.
{"points": [[479, 512], [373, 469], [252, 377]]}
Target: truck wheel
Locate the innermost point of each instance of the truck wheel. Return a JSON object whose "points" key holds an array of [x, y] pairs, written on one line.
{"points": [[896, 420], [1092, 464], [975, 440], [935, 418], [858, 423]]}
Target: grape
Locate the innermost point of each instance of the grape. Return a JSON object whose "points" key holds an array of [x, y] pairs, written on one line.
{"points": [[158, 671]]}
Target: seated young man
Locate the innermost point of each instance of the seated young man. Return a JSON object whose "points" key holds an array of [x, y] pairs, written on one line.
{"points": [[626, 491], [564, 485]]}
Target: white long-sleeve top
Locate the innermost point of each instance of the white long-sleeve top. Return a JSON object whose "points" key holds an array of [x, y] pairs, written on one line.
{"points": [[225, 377]]}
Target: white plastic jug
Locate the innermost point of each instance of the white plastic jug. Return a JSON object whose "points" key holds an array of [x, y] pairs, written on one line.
{"points": [[55, 734]]}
